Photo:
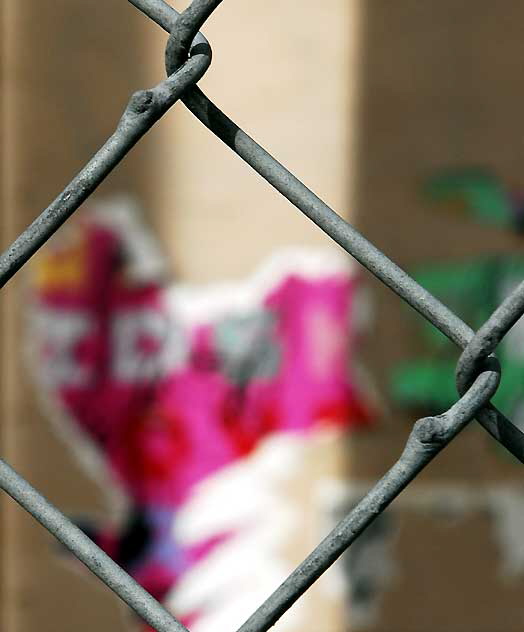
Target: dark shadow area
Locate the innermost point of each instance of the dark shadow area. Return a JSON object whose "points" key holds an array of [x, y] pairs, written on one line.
{"points": [[439, 89]]}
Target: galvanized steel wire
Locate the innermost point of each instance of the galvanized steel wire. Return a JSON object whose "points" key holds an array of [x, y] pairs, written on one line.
{"points": [[188, 56]]}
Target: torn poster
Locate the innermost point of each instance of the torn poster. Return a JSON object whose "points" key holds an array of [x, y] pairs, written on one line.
{"points": [[199, 404]]}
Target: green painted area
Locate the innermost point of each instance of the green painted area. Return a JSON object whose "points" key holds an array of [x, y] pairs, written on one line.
{"points": [[475, 190], [473, 289]]}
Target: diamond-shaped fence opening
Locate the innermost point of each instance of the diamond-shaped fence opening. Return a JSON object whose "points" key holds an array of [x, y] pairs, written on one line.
{"points": [[188, 56]]}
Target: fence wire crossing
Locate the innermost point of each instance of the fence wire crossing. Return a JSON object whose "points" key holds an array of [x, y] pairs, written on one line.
{"points": [[188, 56]]}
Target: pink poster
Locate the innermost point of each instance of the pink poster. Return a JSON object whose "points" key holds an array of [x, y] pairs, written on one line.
{"points": [[196, 401]]}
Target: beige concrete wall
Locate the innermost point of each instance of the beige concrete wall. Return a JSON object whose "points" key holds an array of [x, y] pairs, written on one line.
{"points": [[279, 71]]}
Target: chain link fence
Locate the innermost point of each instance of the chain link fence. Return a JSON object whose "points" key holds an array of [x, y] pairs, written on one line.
{"points": [[188, 56]]}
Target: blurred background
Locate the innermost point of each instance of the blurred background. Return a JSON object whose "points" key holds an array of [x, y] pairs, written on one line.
{"points": [[404, 117]]}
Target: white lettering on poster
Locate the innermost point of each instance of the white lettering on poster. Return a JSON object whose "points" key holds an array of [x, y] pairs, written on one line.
{"points": [[63, 331]]}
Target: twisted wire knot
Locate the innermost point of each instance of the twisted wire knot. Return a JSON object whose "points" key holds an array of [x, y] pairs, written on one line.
{"points": [[473, 362], [478, 357], [185, 41], [482, 345]]}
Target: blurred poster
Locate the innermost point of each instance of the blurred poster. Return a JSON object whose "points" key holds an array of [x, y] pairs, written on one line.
{"points": [[213, 410]]}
